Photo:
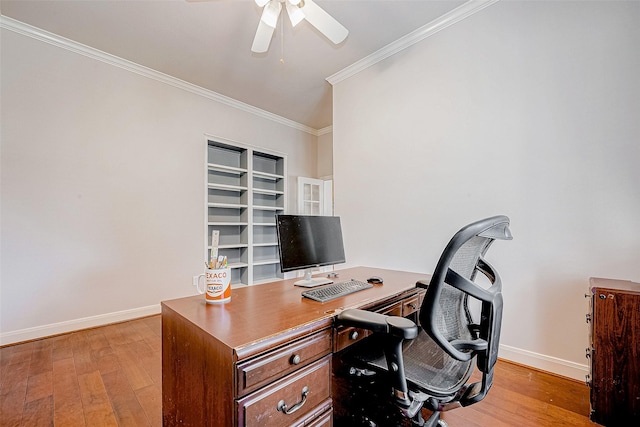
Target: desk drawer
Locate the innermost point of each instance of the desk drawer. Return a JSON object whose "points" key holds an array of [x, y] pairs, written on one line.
{"points": [[346, 335], [260, 371], [410, 306], [394, 309], [304, 392]]}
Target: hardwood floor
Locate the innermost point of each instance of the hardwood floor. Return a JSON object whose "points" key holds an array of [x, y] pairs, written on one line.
{"points": [[111, 376], [106, 376]]}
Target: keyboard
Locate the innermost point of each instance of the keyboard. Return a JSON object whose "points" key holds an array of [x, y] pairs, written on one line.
{"points": [[336, 290]]}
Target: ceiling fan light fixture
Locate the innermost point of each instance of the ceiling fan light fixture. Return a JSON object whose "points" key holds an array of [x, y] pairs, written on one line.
{"points": [[297, 11], [295, 14]]}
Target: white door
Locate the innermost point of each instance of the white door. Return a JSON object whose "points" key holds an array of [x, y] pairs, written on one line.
{"points": [[314, 196]]}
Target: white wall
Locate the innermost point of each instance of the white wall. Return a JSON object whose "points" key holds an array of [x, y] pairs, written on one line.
{"points": [[529, 109], [325, 156], [103, 187]]}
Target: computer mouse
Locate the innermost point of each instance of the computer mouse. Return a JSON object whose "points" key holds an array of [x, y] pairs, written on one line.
{"points": [[376, 280]]}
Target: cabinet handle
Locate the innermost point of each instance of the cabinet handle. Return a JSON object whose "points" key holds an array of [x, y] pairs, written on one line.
{"points": [[295, 359], [282, 407], [353, 335], [413, 306]]}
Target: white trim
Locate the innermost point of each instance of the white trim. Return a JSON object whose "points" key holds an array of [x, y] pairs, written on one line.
{"points": [[458, 14], [90, 52], [325, 130], [76, 324], [551, 364], [554, 365], [215, 138]]}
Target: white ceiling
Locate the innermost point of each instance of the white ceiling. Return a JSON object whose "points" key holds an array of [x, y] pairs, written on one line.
{"points": [[208, 43]]}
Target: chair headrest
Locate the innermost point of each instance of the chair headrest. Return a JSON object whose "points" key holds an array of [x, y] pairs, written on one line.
{"points": [[498, 231]]}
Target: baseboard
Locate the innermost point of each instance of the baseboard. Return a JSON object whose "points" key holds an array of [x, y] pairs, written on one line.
{"points": [[554, 365], [29, 334]]}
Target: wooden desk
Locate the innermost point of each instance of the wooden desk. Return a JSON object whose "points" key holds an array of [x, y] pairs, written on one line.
{"points": [[233, 364]]}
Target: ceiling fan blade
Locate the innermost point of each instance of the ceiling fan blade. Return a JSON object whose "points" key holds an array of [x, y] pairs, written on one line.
{"points": [[262, 40], [266, 27], [295, 13], [324, 22], [271, 12]]}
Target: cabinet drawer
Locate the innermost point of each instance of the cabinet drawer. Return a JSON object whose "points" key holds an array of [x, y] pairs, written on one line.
{"points": [[262, 370], [410, 305], [394, 309], [304, 392], [346, 335], [322, 418]]}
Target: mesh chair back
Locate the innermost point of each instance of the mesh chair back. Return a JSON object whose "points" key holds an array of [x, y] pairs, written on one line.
{"points": [[451, 315], [444, 314]]}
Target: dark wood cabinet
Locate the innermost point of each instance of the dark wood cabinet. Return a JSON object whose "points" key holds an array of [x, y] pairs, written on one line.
{"points": [[615, 352]]}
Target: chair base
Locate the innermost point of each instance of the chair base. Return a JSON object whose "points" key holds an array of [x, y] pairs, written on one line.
{"points": [[433, 421], [367, 402]]}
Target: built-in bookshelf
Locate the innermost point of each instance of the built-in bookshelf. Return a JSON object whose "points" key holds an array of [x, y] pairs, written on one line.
{"points": [[246, 188]]}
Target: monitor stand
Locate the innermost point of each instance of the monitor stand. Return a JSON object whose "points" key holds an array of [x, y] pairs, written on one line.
{"points": [[310, 282]]}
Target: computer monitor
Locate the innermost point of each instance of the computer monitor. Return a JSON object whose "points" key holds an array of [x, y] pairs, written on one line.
{"points": [[308, 241]]}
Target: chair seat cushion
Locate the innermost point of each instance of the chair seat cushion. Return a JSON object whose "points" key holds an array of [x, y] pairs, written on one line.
{"points": [[427, 367]]}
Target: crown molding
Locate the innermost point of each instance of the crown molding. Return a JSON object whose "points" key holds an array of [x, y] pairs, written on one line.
{"points": [[90, 52], [456, 15], [325, 130]]}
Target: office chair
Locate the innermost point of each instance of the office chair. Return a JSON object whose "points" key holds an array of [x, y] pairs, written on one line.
{"points": [[428, 365]]}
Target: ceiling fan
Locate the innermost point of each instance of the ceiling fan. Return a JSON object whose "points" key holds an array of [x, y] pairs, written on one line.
{"points": [[297, 11]]}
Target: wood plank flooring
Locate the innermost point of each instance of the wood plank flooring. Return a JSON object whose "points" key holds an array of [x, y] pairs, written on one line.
{"points": [[107, 376], [111, 376]]}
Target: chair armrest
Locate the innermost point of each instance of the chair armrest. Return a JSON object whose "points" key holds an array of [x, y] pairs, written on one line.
{"points": [[394, 325], [394, 330]]}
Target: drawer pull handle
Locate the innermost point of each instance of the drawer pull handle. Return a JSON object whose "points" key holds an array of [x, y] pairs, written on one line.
{"points": [[412, 306], [295, 359], [282, 407]]}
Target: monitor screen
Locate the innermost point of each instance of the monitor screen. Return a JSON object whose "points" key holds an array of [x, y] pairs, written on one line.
{"points": [[309, 241]]}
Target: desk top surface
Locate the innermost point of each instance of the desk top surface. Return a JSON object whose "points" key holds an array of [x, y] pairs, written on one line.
{"points": [[260, 312]]}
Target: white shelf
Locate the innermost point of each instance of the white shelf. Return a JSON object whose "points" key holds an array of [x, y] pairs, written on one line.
{"points": [[266, 175], [231, 246], [268, 208], [233, 265], [245, 188], [266, 262], [227, 205], [236, 188], [267, 192], [225, 168]]}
